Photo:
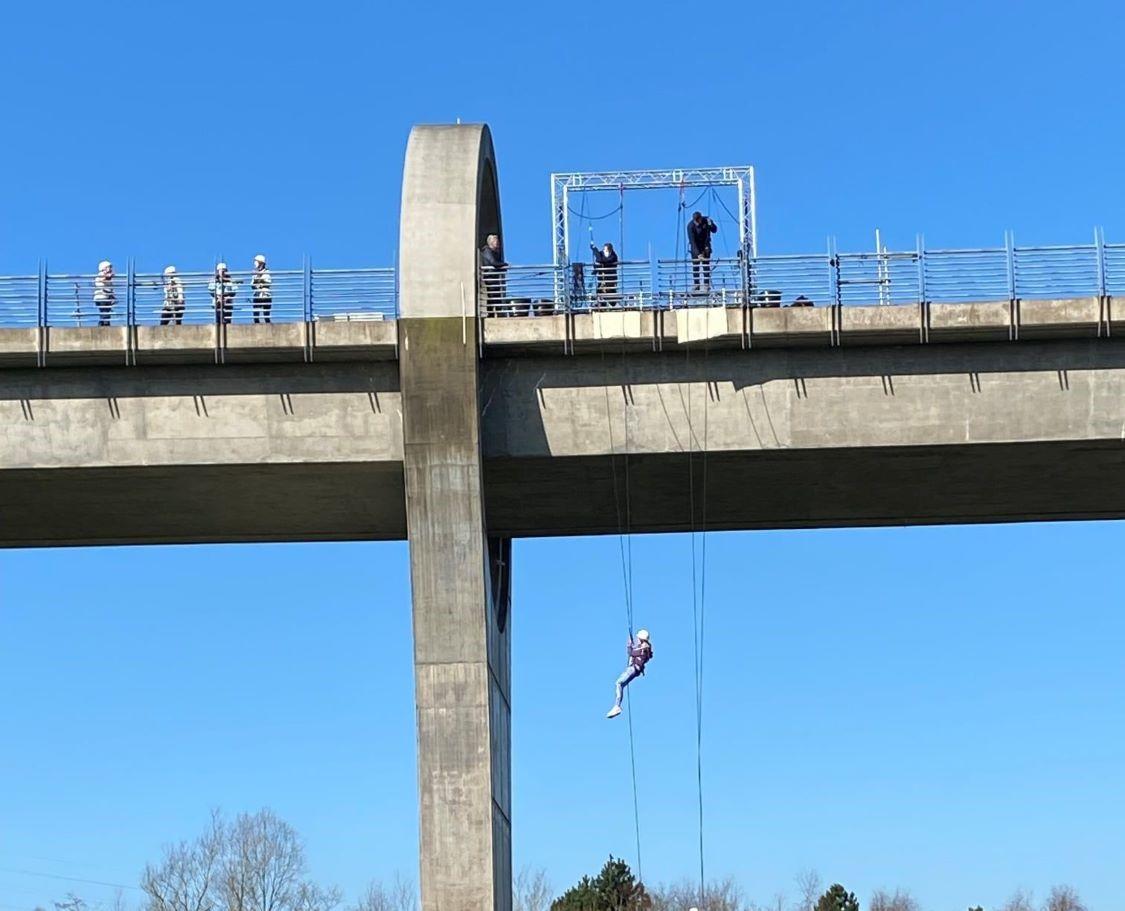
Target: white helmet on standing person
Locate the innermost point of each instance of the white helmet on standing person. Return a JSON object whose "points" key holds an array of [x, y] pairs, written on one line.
{"points": [[260, 260], [221, 267], [169, 270], [105, 265], [642, 635]]}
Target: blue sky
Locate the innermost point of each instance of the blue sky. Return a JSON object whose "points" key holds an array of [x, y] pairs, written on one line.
{"points": [[934, 708]]}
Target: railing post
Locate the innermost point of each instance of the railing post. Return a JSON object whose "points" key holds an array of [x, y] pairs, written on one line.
{"points": [[834, 271], [306, 291], [1099, 247], [921, 255], [1010, 250], [130, 293], [41, 317]]}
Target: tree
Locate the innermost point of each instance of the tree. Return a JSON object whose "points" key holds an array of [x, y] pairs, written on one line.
{"points": [[718, 895], [837, 898], [399, 896], [71, 903], [1064, 898], [531, 890], [976, 908], [256, 863], [808, 890], [899, 901], [1020, 901], [614, 889]]}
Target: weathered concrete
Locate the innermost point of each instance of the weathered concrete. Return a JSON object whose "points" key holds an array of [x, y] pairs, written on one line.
{"points": [[460, 576], [1008, 431]]}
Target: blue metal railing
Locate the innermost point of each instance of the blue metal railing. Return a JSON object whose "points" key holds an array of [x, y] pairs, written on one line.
{"points": [[843, 279], [133, 298]]}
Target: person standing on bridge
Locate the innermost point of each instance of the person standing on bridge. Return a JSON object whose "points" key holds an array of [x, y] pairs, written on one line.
{"points": [[172, 312], [261, 290], [222, 293], [492, 268], [605, 271], [699, 231], [105, 295], [639, 651]]}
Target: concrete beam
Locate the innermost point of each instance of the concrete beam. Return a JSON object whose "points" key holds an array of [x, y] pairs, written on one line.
{"points": [[459, 576]]}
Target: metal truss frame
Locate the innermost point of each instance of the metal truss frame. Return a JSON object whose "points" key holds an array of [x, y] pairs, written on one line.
{"points": [[740, 177]]}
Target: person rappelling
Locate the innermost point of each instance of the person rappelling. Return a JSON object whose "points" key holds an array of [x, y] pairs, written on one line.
{"points": [[639, 650]]}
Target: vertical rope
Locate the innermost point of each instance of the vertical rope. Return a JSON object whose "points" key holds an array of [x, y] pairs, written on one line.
{"points": [[625, 548], [698, 597]]}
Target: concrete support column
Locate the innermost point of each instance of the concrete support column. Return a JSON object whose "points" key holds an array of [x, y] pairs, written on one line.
{"points": [[459, 576]]}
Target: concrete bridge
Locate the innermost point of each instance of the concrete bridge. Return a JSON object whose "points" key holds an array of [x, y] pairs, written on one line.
{"points": [[461, 432]]}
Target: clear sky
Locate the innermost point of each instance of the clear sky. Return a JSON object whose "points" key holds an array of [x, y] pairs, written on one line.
{"points": [[934, 708]]}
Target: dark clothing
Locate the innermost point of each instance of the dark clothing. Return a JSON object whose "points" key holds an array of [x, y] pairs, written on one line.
{"points": [[701, 270], [492, 274], [699, 236], [605, 272], [492, 259]]}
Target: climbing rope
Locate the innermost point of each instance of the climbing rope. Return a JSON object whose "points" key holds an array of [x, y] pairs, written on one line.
{"points": [[698, 596], [625, 548]]}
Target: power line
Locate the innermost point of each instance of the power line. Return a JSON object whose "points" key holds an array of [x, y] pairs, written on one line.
{"points": [[69, 879]]}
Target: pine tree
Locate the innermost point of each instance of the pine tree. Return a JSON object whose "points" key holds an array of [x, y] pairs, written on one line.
{"points": [[613, 889], [837, 898]]}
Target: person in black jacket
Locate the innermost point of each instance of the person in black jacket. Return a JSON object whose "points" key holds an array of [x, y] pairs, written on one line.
{"points": [[699, 231], [492, 274], [605, 271]]}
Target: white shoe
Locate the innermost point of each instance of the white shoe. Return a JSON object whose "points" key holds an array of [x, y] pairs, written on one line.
{"points": [[613, 712]]}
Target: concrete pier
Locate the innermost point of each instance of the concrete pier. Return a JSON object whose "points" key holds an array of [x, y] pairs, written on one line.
{"points": [[460, 577]]}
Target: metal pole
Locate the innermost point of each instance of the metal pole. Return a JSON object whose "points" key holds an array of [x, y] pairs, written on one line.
{"points": [[1099, 246], [306, 290], [834, 270], [130, 287], [920, 247], [1009, 243], [753, 215], [41, 318]]}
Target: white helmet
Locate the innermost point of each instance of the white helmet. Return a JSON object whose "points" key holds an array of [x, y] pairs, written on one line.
{"points": [[169, 270], [642, 635], [104, 264], [221, 267], [260, 259]]}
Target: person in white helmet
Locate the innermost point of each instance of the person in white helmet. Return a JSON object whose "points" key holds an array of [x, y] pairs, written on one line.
{"points": [[639, 650], [222, 288], [173, 311], [105, 296], [261, 290]]}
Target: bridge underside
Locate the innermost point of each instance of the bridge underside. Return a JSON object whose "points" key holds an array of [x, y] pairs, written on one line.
{"points": [[916, 485]]}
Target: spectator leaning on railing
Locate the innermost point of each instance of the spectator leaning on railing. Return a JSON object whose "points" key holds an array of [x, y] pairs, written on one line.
{"points": [[104, 294], [222, 289], [261, 290], [492, 273], [172, 312], [605, 270]]}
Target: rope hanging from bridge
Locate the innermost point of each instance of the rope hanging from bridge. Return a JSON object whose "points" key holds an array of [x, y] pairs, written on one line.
{"points": [[625, 548], [698, 593]]}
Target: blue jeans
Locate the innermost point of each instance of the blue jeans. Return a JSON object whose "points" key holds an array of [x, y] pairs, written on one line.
{"points": [[631, 674]]}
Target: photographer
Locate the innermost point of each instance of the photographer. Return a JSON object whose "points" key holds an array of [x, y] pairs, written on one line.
{"points": [[699, 231]]}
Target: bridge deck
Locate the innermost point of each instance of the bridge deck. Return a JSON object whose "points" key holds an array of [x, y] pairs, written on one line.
{"points": [[741, 327], [880, 429]]}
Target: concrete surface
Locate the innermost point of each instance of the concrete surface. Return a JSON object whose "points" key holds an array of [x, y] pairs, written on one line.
{"points": [[459, 576], [1027, 429]]}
